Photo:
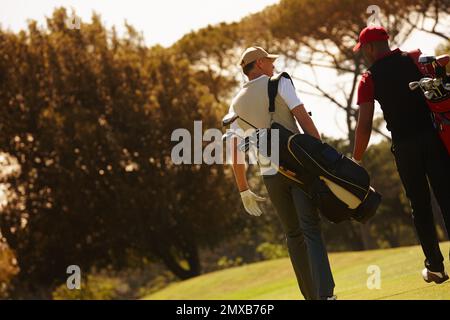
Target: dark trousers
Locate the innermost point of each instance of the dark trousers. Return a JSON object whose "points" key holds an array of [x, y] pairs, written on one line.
{"points": [[301, 223], [422, 161]]}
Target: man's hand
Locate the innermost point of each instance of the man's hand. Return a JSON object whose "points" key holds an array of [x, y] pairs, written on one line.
{"points": [[250, 201]]}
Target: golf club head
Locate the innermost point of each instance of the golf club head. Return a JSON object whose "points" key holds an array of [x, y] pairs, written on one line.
{"points": [[427, 83], [229, 119], [437, 82], [426, 59], [424, 80], [243, 145], [227, 135], [429, 95], [230, 134], [414, 85], [447, 86]]}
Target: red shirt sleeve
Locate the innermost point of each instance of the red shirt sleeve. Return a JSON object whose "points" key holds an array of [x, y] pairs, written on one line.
{"points": [[365, 89]]}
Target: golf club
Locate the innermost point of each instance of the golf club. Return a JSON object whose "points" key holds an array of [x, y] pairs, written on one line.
{"points": [[245, 143], [429, 94], [427, 59], [447, 86], [414, 85], [229, 119], [426, 83], [437, 82], [232, 117]]}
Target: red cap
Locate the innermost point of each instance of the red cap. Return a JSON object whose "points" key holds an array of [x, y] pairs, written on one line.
{"points": [[371, 34]]}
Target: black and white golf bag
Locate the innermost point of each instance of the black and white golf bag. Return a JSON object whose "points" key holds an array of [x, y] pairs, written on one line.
{"points": [[338, 186]]}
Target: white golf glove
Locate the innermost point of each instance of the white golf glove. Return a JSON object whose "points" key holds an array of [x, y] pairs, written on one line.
{"points": [[250, 201]]}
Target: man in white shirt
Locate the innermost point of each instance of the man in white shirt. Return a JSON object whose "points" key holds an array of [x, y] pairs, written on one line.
{"points": [[299, 217]]}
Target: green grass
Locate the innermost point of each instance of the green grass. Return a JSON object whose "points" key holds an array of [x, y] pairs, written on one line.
{"points": [[400, 279]]}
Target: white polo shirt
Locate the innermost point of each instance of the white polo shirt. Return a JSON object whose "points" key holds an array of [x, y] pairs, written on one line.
{"points": [[285, 89]]}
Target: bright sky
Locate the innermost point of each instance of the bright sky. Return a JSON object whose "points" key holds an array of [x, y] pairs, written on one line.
{"points": [[165, 21], [162, 21]]}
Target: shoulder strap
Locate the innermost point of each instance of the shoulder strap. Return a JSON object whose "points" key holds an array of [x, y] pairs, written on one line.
{"points": [[273, 89]]}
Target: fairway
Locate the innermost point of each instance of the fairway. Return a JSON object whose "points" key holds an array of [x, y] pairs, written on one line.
{"points": [[275, 280]]}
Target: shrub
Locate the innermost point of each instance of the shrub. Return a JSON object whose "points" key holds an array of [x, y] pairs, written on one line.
{"points": [[271, 251]]}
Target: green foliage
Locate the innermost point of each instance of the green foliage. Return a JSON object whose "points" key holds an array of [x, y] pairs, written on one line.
{"points": [[444, 49], [96, 287], [158, 283], [225, 262], [270, 251], [109, 284], [88, 118]]}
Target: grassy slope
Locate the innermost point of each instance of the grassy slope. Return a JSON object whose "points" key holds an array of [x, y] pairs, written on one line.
{"points": [[400, 276]]}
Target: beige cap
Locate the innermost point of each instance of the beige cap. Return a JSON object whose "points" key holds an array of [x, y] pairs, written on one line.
{"points": [[254, 53]]}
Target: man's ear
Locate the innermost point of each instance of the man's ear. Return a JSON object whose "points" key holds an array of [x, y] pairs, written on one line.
{"points": [[258, 63]]}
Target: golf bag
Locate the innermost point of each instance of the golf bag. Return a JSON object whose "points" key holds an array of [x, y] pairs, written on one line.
{"points": [[435, 86], [338, 186]]}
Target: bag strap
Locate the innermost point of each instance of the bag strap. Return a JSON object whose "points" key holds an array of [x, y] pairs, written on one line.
{"points": [[273, 89]]}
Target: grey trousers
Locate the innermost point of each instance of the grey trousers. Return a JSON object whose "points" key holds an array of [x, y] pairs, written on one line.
{"points": [[301, 224]]}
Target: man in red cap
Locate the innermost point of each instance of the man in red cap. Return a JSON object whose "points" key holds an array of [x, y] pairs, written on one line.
{"points": [[420, 155]]}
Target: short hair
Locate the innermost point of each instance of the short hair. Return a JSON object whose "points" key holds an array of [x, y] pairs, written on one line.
{"points": [[248, 68]]}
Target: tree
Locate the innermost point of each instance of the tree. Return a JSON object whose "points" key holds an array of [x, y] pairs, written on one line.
{"points": [[298, 30], [88, 117]]}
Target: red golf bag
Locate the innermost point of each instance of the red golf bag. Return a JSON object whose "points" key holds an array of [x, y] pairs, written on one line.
{"points": [[435, 86]]}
